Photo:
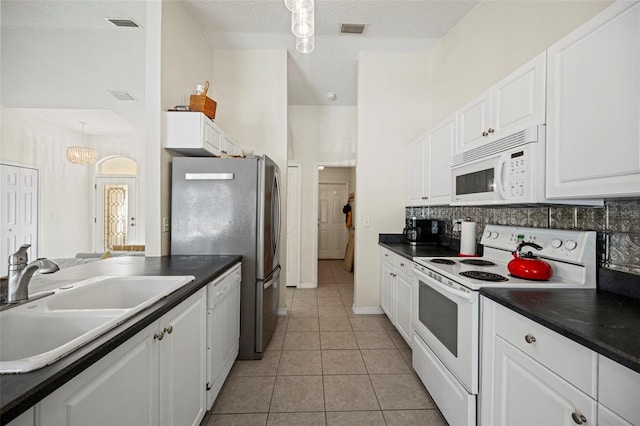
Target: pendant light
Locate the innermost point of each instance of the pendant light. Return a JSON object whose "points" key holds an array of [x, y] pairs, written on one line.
{"points": [[81, 154], [299, 6]]}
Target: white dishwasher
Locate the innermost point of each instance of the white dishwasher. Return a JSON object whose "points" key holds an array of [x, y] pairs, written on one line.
{"points": [[223, 329]]}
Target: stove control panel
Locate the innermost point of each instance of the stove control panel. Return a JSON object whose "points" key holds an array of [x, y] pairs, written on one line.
{"points": [[560, 244]]}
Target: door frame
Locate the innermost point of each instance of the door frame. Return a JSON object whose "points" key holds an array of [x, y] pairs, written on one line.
{"points": [[298, 214], [316, 192]]}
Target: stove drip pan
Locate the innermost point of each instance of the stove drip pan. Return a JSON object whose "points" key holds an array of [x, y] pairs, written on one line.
{"points": [[477, 262], [443, 261], [484, 276]]}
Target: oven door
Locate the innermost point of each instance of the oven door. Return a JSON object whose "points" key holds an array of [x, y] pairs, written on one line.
{"points": [[446, 317]]}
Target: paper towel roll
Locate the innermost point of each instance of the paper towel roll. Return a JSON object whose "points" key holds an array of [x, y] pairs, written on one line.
{"points": [[468, 239]]}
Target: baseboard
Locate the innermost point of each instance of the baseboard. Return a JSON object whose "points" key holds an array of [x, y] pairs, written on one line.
{"points": [[306, 285], [282, 312], [369, 310]]}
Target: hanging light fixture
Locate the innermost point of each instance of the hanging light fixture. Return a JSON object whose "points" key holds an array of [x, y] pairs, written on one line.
{"points": [[82, 154], [299, 6], [302, 23]]}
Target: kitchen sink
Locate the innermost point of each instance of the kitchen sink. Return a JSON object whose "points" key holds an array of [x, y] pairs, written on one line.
{"points": [[38, 333]]}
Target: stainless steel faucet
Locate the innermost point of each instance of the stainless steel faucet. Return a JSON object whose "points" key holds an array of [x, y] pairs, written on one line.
{"points": [[20, 273]]}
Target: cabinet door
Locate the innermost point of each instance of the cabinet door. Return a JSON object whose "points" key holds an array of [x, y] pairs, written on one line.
{"points": [[607, 417], [593, 137], [213, 137], [518, 101], [472, 121], [120, 389], [403, 306], [387, 283], [438, 170], [416, 189], [183, 362], [526, 393]]}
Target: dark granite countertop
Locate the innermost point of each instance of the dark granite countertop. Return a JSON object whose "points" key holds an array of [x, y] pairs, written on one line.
{"points": [[396, 243], [604, 322], [18, 392]]}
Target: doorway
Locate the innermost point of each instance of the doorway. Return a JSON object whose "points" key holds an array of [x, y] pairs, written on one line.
{"points": [[332, 232]]}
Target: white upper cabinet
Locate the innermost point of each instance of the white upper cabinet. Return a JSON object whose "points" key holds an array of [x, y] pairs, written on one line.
{"points": [[513, 104], [593, 107], [429, 162], [195, 134]]}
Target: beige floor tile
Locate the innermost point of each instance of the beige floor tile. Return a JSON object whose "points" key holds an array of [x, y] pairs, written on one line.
{"points": [[386, 323], [275, 344], [303, 324], [384, 361], [397, 338], [407, 355], [327, 291], [338, 340], [267, 366], [297, 394], [400, 392], [339, 361], [301, 341], [332, 311], [303, 311], [414, 418], [237, 420], [300, 363], [349, 393], [245, 395], [281, 323], [304, 302], [355, 418], [361, 323], [374, 340], [329, 301], [335, 324], [297, 419]]}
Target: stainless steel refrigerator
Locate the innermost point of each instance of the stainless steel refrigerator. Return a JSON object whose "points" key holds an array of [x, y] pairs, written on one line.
{"points": [[232, 206]]}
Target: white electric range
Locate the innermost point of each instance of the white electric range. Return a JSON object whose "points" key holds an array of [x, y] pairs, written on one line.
{"points": [[446, 311]]}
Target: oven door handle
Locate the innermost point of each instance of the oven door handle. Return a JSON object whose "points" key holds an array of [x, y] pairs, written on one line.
{"points": [[460, 294]]}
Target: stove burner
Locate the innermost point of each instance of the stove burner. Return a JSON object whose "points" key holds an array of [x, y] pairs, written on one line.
{"points": [[443, 261], [484, 276], [477, 262]]}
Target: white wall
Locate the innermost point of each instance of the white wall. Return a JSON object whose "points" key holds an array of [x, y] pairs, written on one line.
{"points": [[394, 98], [495, 38], [66, 189], [319, 134], [250, 87]]}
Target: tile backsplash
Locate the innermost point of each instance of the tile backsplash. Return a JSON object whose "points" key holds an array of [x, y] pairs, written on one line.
{"points": [[617, 224]]}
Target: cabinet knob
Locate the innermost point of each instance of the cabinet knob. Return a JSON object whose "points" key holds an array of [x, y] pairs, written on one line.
{"points": [[529, 338], [168, 329], [485, 134], [401, 264], [578, 418], [158, 336], [490, 130]]}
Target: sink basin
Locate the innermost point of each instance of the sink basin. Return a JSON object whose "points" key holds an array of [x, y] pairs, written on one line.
{"points": [[39, 333]]}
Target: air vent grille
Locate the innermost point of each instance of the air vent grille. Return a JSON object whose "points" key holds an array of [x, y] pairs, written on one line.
{"points": [[121, 95], [123, 22], [353, 28], [529, 135]]}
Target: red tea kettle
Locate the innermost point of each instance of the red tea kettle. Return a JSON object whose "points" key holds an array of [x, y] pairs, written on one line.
{"points": [[528, 266]]}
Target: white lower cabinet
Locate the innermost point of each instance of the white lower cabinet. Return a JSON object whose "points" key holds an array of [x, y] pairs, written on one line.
{"points": [[618, 393], [395, 291], [528, 373], [156, 378]]}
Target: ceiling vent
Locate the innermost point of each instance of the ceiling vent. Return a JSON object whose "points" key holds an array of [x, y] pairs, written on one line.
{"points": [[121, 95], [352, 28], [123, 22]]}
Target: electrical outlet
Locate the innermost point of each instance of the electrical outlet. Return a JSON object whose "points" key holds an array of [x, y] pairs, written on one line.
{"points": [[165, 224]]}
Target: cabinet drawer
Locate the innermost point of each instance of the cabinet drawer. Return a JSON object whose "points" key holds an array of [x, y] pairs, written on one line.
{"points": [[387, 255], [403, 265], [618, 389], [573, 362]]}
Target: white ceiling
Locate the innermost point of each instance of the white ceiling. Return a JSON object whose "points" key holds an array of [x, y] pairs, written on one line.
{"points": [[62, 54]]}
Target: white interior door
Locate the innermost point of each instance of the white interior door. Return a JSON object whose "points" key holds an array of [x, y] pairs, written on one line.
{"points": [[332, 231], [19, 212], [293, 225], [116, 212]]}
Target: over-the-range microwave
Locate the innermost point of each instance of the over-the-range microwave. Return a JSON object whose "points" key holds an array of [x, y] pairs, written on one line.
{"points": [[510, 170]]}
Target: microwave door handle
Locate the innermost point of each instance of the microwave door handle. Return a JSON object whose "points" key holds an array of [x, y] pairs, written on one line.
{"points": [[499, 173]]}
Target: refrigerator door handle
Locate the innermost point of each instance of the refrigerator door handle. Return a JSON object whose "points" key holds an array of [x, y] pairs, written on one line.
{"points": [[208, 176], [275, 236]]}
